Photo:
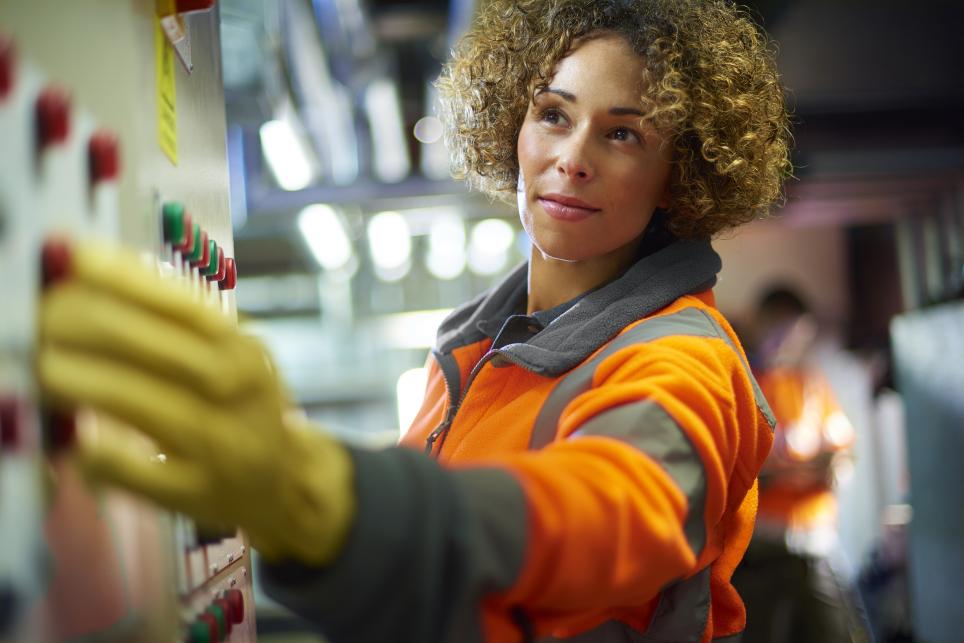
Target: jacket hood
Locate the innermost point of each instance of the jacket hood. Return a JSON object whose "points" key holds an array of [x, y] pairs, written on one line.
{"points": [[653, 282]]}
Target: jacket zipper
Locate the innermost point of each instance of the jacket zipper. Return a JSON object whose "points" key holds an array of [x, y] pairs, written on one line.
{"points": [[441, 431]]}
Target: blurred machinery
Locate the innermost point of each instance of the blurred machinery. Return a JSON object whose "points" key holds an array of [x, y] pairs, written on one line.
{"points": [[928, 352], [111, 125]]}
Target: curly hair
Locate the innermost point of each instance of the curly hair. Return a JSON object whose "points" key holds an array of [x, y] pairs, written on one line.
{"points": [[711, 82]]}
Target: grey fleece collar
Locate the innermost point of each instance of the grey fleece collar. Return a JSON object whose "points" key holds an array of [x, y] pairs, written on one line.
{"points": [[653, 282]]}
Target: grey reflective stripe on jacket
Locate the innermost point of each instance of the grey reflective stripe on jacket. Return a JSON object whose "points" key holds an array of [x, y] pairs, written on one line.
{"points": [[683, 608], [680, 617], [691, 322]]}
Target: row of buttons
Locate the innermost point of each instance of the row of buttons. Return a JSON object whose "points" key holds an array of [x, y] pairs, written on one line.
{"points": [[52, 124], [216, 621], [188, 239], [52, 120]]}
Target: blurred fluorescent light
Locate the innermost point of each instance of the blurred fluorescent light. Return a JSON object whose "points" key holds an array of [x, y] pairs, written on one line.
{"points": [[489, 246], [326, 107], [287, 158], [446, 247], [390, 152], [414, 329], [409, 392], [390, 245], [325, 235]]}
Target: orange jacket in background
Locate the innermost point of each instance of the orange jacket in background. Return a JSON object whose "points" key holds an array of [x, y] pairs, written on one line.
{"points": [[796, 483]]}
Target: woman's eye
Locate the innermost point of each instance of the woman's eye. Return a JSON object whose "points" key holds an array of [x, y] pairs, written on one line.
{"points": [[624, 134], [551, 116]]}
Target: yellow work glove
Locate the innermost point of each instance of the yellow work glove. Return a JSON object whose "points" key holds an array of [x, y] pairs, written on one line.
{"points": [[115, 337]]}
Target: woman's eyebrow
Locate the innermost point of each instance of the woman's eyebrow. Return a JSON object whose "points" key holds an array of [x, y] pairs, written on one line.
{"points": [[625, 111], [570, 97]]}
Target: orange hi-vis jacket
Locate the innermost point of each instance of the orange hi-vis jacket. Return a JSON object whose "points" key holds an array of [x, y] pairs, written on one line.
{"points": [[584, 475], [796, 481]]}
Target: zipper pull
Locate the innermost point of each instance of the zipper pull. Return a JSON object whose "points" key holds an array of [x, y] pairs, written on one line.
{"points": [[434, 435]]}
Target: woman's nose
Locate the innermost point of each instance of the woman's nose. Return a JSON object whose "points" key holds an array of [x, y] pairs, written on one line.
{"points": [[573, 160]]}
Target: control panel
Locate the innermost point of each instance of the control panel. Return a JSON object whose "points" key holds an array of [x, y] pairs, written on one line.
{"points": [[111, 126]]}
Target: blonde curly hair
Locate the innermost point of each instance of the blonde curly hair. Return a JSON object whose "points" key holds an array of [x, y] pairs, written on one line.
{"points": [[711, 87]]}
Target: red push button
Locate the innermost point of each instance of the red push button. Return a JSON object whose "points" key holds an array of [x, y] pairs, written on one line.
{"points": [[230, 275], [61, 431], [203, 257], [8, 59], [235, 601], [54, 261], [186, 6], [52, 112], [103, 153], [186, 246], [11, 423]]}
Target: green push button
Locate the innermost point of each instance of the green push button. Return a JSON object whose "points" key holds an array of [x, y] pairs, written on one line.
{"points": [[173, 215], [198, 250], [222, 620], [199, 632], [212, 267]]}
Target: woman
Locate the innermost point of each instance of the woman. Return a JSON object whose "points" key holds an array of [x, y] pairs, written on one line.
{"points": [[585, 458]]}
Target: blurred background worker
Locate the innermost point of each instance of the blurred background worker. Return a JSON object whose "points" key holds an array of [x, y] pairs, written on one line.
{"points": [[788, 578]]}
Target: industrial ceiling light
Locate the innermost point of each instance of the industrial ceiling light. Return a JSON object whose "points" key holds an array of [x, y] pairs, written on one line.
{"points": [[325, 235], [390, 153], [390, 245], [489, 245], [286, 156], [446, 247]]}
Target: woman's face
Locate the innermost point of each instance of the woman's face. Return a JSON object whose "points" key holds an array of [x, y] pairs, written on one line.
{"points": [[590, 172]]}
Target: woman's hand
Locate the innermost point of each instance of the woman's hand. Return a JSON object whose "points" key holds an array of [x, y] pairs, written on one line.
{"points": [[116, 337]]}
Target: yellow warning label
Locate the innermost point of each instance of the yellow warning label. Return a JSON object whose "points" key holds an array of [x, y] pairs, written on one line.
{"points": [[166, 93]]}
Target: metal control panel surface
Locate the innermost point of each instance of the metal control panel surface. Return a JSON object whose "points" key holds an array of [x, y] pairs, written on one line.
{"points": [[110, 112]]}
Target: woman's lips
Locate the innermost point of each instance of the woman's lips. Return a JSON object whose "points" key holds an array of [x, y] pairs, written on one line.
{"points": [[566, 209]]}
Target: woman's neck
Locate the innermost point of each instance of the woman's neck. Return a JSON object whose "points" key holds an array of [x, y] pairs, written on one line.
{"points": [[553, 282]]}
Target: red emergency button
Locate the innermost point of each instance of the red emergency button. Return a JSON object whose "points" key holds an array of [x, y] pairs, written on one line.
{"points": [[7, 60], [230, 275], [52, 112], [103, 154], [235, 601], [204, 256]]}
